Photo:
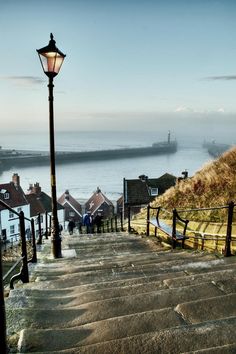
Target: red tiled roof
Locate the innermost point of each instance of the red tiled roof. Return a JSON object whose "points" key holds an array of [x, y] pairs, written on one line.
{"points": [[96, 200], [36, 205], [16, 195], [66, 198]]}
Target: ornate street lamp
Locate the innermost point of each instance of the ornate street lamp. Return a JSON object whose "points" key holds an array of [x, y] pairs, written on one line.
{"points": [[51, 59]]}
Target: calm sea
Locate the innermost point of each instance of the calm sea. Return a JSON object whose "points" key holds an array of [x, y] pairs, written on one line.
{"points": [[82, 179]]}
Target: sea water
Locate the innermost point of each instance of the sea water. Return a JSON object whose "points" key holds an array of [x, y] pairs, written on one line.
{"points": [[82, 179]]}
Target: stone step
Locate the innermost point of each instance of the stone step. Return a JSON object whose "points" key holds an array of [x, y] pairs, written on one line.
{"points": [[154, 261], [112, 328], [124, 305], [224, 349], [172, 340], [215, 276], [218, 307]]}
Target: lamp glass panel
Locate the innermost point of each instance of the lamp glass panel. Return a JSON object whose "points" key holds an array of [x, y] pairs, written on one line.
{"points": [[51, 62]]}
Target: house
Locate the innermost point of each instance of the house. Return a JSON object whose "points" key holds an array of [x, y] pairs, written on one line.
{"points": [[140, 192], [72, 208], [99, 203], [41, 203], [12, 194]]}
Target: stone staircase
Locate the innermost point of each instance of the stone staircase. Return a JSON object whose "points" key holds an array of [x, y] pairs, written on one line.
{"points": [[123, 294]]}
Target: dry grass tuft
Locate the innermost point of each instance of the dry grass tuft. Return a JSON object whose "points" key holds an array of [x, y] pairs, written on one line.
{"points": [[214, 185]]}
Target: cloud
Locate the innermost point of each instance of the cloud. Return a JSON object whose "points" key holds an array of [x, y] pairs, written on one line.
{"points": [[183, 109], [223, 77], [24, 80]]}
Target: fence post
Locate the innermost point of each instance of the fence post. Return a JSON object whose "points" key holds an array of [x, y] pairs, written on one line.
{"points": [[121, 221], [174, 229], [3, 336], [112, 229], [34, 256], [116, 227], [50, 225], [40, 236], [129, 219], [227, 250], [24, 273], [46, 225], [148, 219]]}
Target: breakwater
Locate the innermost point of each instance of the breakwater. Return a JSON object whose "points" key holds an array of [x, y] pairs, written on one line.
{"points": [[13, 158]]}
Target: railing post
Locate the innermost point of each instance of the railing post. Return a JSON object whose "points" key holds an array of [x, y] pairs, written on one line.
{"points": [[112, 229], [174, 229], [129, 219], [46, 225], [34, 256], [121, 221], [148, 220], [3, 336], [227, 250], [116, 227], [50, 225], [24, 271], [108, 230], [40, 236]]}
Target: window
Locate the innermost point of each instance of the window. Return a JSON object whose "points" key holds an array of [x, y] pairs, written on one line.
{"points": [[11, 215], [71, 213], [154, 191], [6, 195], [12, 229], [19, 210]]}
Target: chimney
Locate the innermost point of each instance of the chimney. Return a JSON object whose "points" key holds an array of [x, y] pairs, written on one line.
{"points": [[67, 195], [16, 180], [36, 189]]}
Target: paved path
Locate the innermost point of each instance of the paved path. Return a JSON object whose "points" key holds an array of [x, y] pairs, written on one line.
{"points": [[123, 294]]}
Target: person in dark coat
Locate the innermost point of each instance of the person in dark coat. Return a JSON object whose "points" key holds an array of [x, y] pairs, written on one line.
{"points": [[98, 222], [87, 220], [71, 226]]}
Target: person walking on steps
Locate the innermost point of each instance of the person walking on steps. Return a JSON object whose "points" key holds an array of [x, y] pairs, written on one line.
{"points": [[71, 226]]}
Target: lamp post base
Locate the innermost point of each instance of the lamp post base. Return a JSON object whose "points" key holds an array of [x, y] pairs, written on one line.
{"points": [[56, 247]]}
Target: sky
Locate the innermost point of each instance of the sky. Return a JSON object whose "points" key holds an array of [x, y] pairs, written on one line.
{"points": [[130, 64]]}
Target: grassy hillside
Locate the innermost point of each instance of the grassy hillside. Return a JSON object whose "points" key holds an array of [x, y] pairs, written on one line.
{"points": [[214, 185]]}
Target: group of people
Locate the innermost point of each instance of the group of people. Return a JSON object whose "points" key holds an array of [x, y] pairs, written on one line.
{"points": [[89, 222]]}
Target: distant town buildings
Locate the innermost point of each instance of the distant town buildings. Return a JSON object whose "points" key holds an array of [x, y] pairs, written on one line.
{"points": [[72, 208], [12, 194], [40, 207], [99, 203], [141, 191], [36, 204]]}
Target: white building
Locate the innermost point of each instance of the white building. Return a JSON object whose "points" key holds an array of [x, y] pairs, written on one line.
{"points": [[41, 203], [12, 194]]}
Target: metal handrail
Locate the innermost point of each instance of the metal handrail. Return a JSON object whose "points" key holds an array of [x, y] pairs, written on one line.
{"points": [[176, 217]]}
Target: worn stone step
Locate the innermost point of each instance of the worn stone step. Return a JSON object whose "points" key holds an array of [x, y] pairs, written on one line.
{"points": [[209, 276], [217, 308], [173, 340], [112, 328], [155, 262], [92, 295], [224, 349], [125, 305]]}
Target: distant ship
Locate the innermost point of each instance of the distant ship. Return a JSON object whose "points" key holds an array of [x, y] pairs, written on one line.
{"points": [[12, 158]]}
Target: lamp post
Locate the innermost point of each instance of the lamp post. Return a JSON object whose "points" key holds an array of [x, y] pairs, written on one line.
{"points": [[51, 59]]}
